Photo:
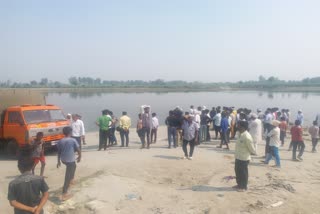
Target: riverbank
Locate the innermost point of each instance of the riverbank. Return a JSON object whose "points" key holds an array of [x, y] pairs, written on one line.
{"points": [[302, 89], [131, 180]]}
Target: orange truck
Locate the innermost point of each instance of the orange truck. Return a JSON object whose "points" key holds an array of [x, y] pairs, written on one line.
{"points": [[19, 124]]}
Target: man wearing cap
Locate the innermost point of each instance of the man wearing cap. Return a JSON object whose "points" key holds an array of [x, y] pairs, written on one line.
{"points": [[274, 143], [255, 129], [190, 135], [124, 123]]}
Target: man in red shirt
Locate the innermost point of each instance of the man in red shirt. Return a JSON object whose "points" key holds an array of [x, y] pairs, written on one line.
{"points": [[296, 140]]}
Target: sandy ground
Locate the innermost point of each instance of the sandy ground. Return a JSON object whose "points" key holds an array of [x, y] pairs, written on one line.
{"points": [[131, 180]]}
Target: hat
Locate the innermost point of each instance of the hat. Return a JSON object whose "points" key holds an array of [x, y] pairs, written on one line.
{"points": [[69, 114], [275, 122]]}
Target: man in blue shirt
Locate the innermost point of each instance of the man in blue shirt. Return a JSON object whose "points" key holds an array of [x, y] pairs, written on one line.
{"points": [[66, 154]]}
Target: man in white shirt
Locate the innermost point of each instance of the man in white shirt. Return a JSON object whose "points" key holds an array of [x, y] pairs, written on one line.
{"points": [[217, 122], [255, 129], [154, 127], [78, 131]]}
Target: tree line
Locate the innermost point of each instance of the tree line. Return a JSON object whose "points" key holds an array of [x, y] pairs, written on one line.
{"points": [[89, 82]]}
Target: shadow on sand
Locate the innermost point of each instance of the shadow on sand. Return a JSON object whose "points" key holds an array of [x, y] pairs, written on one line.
{"points": [[167, 157]]}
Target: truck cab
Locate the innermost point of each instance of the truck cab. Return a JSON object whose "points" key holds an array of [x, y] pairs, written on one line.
{"points": [[20, 124]]}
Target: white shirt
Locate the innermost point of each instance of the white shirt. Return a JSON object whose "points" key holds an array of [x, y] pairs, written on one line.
{"points": [[155, 123], [255, 129], [274, 135], [77, 128], [217, 119]]}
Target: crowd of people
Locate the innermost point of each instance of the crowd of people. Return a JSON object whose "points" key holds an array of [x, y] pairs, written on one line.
{"points": [[191, 128]]}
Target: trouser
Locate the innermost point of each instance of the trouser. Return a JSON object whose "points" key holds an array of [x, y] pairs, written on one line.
{"points": [[274, 152], [154, 135], [179, 138], [124, 134], [78, 139], [296, 144], [112, 136], [184, 147], [146, 134], [69, 176], [208, 133], [172, 132], [224, 138], [217, 130], [103, 138], [203, 133], [314, 144], [282, 137], [242, 174], [267, 127]]}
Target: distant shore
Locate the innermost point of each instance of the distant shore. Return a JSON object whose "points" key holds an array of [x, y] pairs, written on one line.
{"points": [[162, 90]]}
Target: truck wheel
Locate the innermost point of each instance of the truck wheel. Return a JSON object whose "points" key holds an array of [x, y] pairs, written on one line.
{"points": [[12, 148]]}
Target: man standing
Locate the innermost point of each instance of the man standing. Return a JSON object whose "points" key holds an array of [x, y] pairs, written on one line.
{"points": [[217, 122], [103, 122], [255, 130], [66, 154], [244, 149], [300, 117], [146, 126], [190, 136], [172, 129], [78, 131], [124, 123], [154, 128]]}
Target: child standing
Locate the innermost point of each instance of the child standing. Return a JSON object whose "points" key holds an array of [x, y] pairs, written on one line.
{"points": [[27, 193], [283, 129], [38, 152], [314, 132]]}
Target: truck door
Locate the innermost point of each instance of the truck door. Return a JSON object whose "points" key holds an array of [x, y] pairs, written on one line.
{"points": [[15, 127]]}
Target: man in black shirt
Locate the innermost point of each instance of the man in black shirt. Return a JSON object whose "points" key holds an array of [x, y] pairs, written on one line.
{"points": [[27, 193]]}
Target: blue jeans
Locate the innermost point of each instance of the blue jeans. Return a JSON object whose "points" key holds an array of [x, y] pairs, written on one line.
{"points": [[273, 151], [172, 132]]}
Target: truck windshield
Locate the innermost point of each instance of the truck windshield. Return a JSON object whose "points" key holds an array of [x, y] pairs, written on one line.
{"points": [[41, 116]]}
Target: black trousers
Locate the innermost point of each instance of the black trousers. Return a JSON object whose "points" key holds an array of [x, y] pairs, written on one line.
{"points": [[146, 134], [242, 174], [296, 145], [103, 138], [154, 135], [78, 139], [124, 134], [69, 176], [184, 147]]}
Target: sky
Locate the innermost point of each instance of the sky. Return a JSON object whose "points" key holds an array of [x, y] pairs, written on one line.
{"points": [[190, 40]]}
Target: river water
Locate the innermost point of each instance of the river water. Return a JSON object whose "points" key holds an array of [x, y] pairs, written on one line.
{"points": [[89, 105]]}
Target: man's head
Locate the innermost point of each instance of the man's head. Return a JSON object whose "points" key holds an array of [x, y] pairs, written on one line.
{"points": [[25, 161], [297, 122], [242, 126], [67, 131], [74, 117], [139, 115], [154, 114], [146, 109], [315, 123], [190, 118], [39, 135], [124, 113], [69, 116]]}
